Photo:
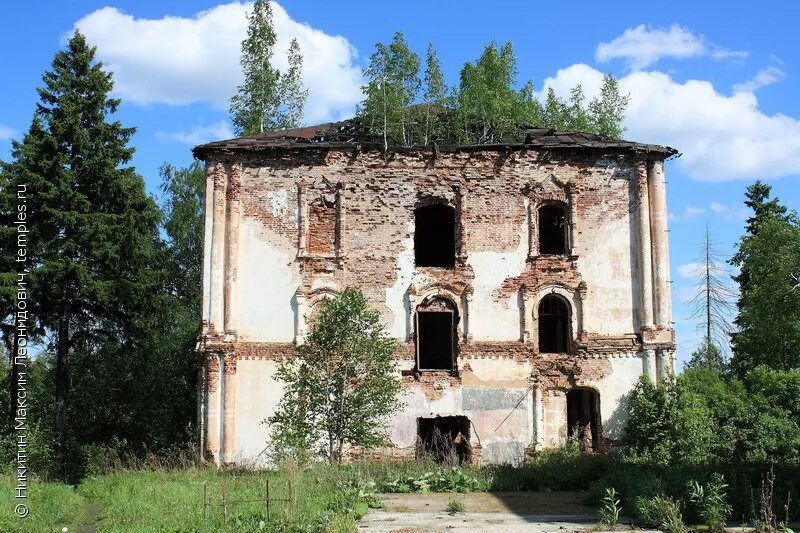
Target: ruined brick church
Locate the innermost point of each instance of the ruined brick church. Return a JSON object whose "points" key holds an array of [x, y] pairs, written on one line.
{"points": [[526, 282]]}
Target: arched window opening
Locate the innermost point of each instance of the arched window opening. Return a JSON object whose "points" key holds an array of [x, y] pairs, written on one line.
{"points": [[436, 335], [435, 236], [552, 230], [583, 417], [554, 327]]}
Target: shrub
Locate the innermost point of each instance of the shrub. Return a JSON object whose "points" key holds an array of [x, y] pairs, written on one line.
{"points": [[440, 480], [709, 502], [662, 512]]}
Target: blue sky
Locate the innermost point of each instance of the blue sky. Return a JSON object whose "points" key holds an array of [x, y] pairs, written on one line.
{"points": [[721, 85]]}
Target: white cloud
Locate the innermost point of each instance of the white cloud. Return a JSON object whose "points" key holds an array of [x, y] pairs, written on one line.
{"points": [[642, 46], [763, 77], [721, 137], [6, 133], [693, 212], [178, 60], [718, 207], [690, 270], [201, 134]]}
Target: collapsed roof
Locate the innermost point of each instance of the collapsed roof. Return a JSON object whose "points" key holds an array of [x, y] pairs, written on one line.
{"points": [[353, 133]]}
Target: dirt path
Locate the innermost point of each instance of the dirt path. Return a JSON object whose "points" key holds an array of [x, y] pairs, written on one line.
{"points": [[512, 512]]}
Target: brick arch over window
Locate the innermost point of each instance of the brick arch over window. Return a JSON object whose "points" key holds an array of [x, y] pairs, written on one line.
{"points": [[317, 300], [571, 300], [554, 330], [308, 307]]}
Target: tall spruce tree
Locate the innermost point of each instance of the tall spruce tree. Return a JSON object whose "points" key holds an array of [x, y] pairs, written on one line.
{"points": [[768, 258], [94, 236]]}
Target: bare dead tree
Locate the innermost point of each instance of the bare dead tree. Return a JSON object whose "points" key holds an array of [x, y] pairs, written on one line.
{"points": [[713, 303]]}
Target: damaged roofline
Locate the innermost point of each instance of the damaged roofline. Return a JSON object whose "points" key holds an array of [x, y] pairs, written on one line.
{"points": [[651, 151]]}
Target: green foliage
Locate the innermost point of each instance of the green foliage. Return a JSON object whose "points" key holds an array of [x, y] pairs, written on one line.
{"points": [[703, 417], [155, 499], [292, 95], [455, 506], [94, 243], [486, 102], [435, 99], [610, 508], [341, 386], [669, 423], [486, 107], [607, 111], [392, 86], [267, 99], [707, 355], [662, 512], [184, 192], [436, 480], [709, 502], [769, 307]]}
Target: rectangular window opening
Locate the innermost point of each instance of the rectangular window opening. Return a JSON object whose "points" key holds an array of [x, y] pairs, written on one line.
{"points": [[435, 340], [445, 439]]}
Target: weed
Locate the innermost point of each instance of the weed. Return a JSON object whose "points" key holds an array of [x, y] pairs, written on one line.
{"points": [[609, 510], [709, 501], [455, 505], [662, 512], [439, 480]]}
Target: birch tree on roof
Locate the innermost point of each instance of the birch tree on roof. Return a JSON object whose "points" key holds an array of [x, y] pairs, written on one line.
{"points": [[267, 100]]}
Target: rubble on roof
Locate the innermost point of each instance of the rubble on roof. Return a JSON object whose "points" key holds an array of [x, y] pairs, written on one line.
{"points": [[351, 132]]}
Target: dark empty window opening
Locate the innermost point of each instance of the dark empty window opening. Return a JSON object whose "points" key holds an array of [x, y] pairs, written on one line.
{"points": [[583, 417], [435, 236], [444, 438], [435, 338], [554, 325], [552, 230]]}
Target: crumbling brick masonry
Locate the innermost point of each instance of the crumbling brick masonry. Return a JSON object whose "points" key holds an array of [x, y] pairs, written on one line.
{"points": [[528, 283]]}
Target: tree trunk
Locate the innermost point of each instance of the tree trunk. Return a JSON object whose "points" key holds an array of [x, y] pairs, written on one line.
{"points": [[62, 388], [13, 341]]}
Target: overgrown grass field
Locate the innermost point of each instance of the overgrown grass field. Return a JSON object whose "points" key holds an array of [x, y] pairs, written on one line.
{"points": [[158, 500], [333, 498]]}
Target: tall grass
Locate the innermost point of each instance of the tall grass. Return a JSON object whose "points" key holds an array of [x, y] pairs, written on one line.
{"points": [[192, 499]]}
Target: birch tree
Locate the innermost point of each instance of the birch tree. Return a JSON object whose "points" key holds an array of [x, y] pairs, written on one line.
{"points": [[341, 386], [267, 100]]}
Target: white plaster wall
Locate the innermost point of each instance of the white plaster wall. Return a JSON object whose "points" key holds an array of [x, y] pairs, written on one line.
{"points": [[614, 390], [403, 424], [494, 369], [257, 397], [605, 264], [396, 302], [490, 319], [268, 279]]}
